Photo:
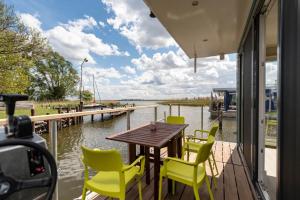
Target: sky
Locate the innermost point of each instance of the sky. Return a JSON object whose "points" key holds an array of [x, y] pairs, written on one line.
{"points": [[130, 54]]}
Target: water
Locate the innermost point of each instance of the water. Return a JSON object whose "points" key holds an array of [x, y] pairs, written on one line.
{"points": [[93, 135]]}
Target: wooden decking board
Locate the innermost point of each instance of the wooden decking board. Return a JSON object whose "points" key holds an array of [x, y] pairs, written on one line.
{"points": [[232, 181], [226, 153], [242, 185], [235, 157], [219, 191]]}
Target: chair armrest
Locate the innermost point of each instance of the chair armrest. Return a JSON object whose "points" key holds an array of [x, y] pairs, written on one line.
{"points": [[201, 131], [140, 159], [179, 160], [190, 137]]}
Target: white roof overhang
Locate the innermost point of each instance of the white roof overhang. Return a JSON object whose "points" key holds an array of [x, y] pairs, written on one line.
{"points": [[213, 27]]}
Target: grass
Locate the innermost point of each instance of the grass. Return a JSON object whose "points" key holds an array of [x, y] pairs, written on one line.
{"points": [[42, 108], [203, 101]]}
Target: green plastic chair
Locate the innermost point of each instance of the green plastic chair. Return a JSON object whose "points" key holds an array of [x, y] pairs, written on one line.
{"points": [[112, 175], [192, 146], [177, 120], [190, 173]]}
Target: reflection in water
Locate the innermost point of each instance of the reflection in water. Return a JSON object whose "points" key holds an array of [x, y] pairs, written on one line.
{"points": [[93, 135]]}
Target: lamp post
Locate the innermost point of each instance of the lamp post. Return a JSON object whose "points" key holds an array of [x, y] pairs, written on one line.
{"points": [[80, 89]]}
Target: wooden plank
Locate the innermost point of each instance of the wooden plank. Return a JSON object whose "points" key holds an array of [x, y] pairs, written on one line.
{"points": [[219, 191], [229, 183], [188, 193], [219, 152], [235, 157], [226, 153], [243, 187]]}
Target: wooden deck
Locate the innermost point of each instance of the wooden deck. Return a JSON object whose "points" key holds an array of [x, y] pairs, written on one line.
{"points": [[232, 183]]}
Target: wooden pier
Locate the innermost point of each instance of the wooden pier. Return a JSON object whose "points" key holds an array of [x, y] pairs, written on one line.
{"points": [[232, 182]]}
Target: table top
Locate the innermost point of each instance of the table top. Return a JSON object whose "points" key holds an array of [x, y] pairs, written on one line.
{"points": [[152, 138]]}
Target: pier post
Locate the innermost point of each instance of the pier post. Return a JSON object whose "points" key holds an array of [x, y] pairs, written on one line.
{"points": [[131, 147], [178, 109], [165, 116], [76, 118], [32, 112], [202, 118], [60, 121], [155, 114], [92, 118], [170, 109], [68, 119], [102, 114], [53, 144]]}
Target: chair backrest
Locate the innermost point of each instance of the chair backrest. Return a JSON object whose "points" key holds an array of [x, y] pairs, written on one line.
{"points": [[102, 160], [175, 120], [204, 149], [213, 130]]}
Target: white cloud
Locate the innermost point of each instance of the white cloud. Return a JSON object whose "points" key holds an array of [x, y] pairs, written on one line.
{"points": [[131, 19], [101, 24], [73, 41], [129, 70], [30, 21]]}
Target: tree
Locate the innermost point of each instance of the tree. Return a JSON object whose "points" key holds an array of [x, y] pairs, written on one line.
{"points": [[19, 48], [53, 78], [87, 95]]}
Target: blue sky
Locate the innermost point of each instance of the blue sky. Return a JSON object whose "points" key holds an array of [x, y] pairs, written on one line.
{"points": [[130, 54]]}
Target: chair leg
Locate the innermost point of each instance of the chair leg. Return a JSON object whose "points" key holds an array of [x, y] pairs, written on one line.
{"points": [[196, 193], [160, 187], [140, 189], [173, 187], [212, 173], [84, 190], [208, 188], [214, 160]]}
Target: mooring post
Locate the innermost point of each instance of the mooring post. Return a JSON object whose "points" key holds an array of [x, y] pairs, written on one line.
{"points": [[155, 114], [202, 119], [68, 119], [170, 109], [102, 114], [53, 144], [76, 118], [131, 147], [32, 112], [60, 121], [178, 109]]}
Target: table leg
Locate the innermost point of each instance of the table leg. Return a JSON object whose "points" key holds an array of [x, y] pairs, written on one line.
{"points": [[156, 171], [147, 165], [142, 150], [171, 153], [179, 146], [132, 152]]}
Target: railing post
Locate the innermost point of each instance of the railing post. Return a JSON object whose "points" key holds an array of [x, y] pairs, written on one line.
{"points": [[155, 114], [131, 147], [178, 109], [170, 109], [53, 144], [202, 117], [128, 119]]}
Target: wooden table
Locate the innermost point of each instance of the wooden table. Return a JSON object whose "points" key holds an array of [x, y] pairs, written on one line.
{"points": [[164, 135]]}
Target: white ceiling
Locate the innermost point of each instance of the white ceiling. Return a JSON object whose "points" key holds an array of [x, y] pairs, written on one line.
{"points": [[220, 22]]}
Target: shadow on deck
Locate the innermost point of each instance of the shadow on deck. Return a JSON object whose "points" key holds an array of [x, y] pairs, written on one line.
{"points": [[232, 183]]}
